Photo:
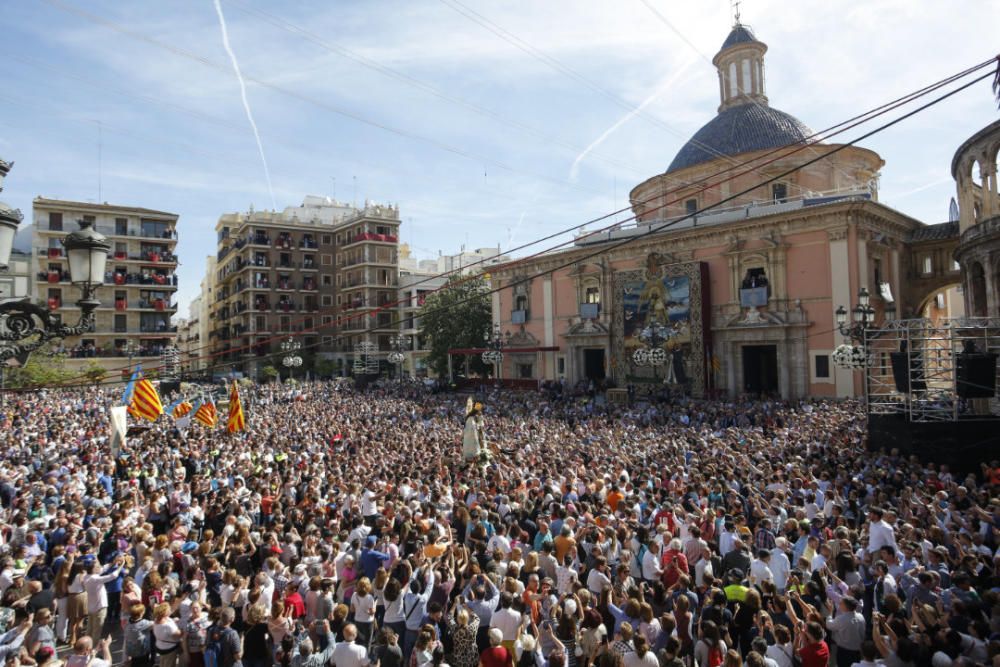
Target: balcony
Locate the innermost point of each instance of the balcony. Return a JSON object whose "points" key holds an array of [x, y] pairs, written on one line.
{"points": [[161, 305], [258, 239], [89, 352], [308, 244], [369, 236], [130, 232], [519, 316], [159, 279]]}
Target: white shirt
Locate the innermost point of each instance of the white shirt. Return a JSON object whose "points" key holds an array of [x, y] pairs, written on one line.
{"points": [[507, 621], [632, 659], [880, 534], [700, 568], [364, 608], [780, 568], [349, 654], [650, 566], [726, 540], [368, 506], [759, 571], [97, 594], [596, 581]]}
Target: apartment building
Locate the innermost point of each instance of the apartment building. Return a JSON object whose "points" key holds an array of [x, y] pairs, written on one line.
{"points": [[317, 272], [17, 281], [138, 296]]}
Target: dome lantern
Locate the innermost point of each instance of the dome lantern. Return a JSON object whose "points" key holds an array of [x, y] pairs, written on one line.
{"points": [[740, 63]]}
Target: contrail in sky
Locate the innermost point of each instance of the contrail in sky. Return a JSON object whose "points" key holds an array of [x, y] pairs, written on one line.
{"points": [[243, 95], [575, 169]]}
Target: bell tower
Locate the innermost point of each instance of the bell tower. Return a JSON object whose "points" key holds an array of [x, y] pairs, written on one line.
{"points": [[740, 63]]}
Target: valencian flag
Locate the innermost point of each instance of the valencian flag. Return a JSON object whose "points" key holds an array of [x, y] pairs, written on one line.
{"points": [[237, 420], [206, 413], [181, 408], [144, 401]]}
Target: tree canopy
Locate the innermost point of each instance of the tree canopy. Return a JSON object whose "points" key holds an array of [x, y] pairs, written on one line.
{"points": [[456, 316]]}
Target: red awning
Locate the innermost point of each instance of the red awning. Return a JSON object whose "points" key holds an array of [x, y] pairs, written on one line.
{"points": [[513, 350]]}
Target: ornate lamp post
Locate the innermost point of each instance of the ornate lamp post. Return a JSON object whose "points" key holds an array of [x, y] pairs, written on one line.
{"points": [[854, 356], [24, 326], [399, 343], [495, 341], [292, 360]]}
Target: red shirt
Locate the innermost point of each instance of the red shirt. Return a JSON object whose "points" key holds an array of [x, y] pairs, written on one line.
{"points": [[815, 655], [294, 604], [672, 574], [496, 656]]}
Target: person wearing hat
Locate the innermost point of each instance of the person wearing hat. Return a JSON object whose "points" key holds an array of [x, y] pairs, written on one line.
{"points": [[735, 590]]}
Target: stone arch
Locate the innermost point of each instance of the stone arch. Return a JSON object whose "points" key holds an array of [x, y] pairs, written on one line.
{"points": [[928, 308]]}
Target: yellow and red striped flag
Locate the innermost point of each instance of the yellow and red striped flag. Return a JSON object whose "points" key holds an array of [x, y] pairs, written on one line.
{"points": [[206, 413], [237, 420], [182, 409], [145, 401]]}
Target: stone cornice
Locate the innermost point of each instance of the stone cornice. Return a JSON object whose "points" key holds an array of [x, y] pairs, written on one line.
{"points": [[832, 218]]}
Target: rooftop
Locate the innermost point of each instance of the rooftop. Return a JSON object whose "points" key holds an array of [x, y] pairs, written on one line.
{"points": [[740, 129], [91, 206], [938, 232]]}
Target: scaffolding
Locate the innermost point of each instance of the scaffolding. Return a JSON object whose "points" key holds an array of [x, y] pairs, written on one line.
{"points": [[913, 368]]}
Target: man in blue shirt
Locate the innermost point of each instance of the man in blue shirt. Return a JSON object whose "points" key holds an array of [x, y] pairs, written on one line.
{"points": [[370, 559]]}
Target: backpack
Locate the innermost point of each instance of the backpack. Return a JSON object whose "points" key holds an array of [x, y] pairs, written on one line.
{"points": [[714, 655], [138, 640], [216, 652]]}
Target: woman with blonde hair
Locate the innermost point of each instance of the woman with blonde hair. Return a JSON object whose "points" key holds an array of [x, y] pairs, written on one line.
{"points": [[363, 610], [464, 626], [166, 635]]}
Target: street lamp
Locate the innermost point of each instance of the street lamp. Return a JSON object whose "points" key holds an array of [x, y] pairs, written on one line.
{"points": [[854, 355], [24, 326], [862, 316], [495, 341], [399, 343], [292, 360]]}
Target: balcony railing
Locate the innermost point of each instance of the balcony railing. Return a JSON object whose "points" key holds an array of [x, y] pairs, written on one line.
{"points": [[369, 236], [87, 352], [116, 278], [169, 235]]}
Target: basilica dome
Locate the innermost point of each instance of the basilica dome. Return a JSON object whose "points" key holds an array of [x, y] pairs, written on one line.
{"points": [[745, 121]]}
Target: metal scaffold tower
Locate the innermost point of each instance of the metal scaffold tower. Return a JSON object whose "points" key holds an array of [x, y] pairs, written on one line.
{"points": [[933, 370]]}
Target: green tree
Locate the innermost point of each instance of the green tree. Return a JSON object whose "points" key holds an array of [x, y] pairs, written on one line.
{"points": [[455, 317], [95, 373], [40, 371], [325, 368], [269, 373]]}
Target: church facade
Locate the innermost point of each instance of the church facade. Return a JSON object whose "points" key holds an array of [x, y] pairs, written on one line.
{"points": [[729, 278]]}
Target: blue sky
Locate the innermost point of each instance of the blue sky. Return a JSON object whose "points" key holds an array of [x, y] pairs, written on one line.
{"points": [[474, 137]]}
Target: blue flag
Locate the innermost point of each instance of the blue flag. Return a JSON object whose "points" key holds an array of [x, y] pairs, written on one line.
{"points": [[130, 387]]}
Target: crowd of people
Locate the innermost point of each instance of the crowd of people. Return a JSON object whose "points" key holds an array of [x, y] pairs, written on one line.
{"points": [[345, 528]]}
